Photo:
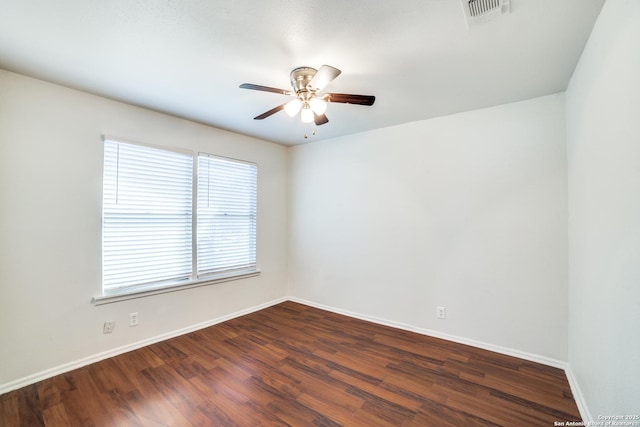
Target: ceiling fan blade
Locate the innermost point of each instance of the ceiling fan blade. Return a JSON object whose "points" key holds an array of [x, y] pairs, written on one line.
{"points": [[347, 98], [320, 119], [265, 89], [269, 113], [323, 77]]}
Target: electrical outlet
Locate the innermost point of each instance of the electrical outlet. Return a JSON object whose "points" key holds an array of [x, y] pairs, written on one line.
{"points": [[108, 326], [133, 319], [441, 313]]}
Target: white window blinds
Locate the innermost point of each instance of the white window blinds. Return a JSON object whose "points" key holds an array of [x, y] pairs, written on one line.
{"points": [[226, 215], [147, 216]]}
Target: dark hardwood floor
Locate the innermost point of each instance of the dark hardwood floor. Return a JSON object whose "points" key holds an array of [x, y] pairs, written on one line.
{"points": [[295, 365]]}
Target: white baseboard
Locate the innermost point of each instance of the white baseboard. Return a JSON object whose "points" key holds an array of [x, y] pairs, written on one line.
{"points": [[578, 396], [573, 383], [581, 403], [461, 340], [39, 376]]}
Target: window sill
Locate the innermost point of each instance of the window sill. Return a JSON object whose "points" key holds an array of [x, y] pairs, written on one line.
{"points": [[145, 292]]}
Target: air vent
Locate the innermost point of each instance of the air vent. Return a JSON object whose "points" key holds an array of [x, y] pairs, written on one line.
{"points": [[480, 11]]}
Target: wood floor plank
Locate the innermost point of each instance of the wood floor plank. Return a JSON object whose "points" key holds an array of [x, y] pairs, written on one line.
{"points": [[48, 393], [294, 365], [55, 415], [155, 409], [9, 409]]}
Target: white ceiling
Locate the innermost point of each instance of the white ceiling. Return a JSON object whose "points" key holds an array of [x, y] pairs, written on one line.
{"points": [[187, 57]]}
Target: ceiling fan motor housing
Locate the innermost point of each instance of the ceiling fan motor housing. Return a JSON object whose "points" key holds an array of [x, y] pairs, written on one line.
{"points": [[301, 77]]}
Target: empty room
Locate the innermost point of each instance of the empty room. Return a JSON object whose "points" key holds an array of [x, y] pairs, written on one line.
{"points": [[329, 213]]}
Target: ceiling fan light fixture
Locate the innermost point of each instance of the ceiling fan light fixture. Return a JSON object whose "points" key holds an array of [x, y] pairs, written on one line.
{"points": [[292, 107], [318, 106], [307, 83], [306, 115]]}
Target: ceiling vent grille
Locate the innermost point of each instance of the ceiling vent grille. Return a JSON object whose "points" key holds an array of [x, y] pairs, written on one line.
{"points": [[480, 11]]}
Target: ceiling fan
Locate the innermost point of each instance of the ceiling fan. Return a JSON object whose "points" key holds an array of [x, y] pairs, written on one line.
{"points": [[307, 83]]}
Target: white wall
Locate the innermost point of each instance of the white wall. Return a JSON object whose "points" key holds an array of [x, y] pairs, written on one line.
{"points": [[603, 138], [50, 226], [467, 211]]}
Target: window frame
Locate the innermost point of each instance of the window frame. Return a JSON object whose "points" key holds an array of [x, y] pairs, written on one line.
{"points": [[138, 291]]}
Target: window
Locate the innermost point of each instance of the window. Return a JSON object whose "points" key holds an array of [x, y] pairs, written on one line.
{"points": [[150, 237], [227, 194]]}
